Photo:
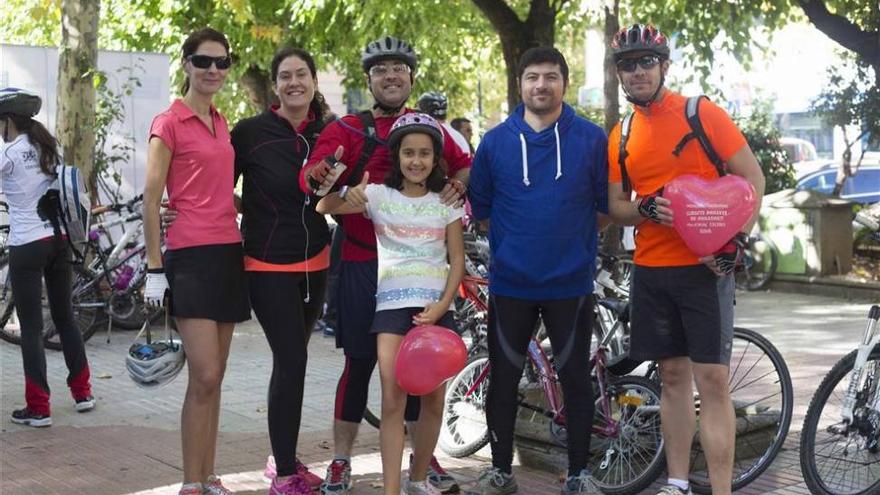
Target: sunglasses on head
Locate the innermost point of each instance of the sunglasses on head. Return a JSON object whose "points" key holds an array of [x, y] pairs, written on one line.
{"points": [[205, 61], [629, 64]]}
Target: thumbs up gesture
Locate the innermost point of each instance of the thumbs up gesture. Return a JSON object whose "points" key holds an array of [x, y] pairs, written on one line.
{"points": [[357, 195]]}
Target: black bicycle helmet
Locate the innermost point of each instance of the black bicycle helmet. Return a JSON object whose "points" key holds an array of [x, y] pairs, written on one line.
{"points": [[15, 101], [386, 48], [434, 104], [640, 37]]}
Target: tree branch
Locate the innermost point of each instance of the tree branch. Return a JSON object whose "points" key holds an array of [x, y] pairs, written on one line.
{"points": [[843, 31], [500, 15]]}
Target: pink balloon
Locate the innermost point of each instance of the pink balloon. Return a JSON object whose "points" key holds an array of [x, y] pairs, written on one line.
{"points": [[428, 356], [708, 213]]}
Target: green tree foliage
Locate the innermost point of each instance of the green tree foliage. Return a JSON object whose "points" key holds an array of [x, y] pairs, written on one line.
{"points": [[850, 99], [700, 27], [763, 138]]}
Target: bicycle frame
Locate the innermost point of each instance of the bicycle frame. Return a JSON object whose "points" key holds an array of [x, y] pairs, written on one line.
{"points": [[548, 379], [101, 267], [869, 339]]}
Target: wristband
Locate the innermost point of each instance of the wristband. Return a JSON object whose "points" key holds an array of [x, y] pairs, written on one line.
{"points": [[156, 270], [343, 191]]}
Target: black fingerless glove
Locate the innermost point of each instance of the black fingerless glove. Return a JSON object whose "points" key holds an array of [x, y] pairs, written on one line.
{"points": [[730, 255]]}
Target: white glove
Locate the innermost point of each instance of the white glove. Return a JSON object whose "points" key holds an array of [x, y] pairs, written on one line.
{"points": [[156, 288]]}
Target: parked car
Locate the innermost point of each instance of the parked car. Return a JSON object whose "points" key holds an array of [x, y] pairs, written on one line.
{"points": [[864, 187], [798, 150]]}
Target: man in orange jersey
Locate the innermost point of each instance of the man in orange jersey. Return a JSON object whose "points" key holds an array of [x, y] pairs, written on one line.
{"points": [[682, 305]]}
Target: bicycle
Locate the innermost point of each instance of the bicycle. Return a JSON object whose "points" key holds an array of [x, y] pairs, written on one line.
{"points": [[626, 454], [763, 401], [840, 441], [760, 385], [759, 263], [118, 269]]}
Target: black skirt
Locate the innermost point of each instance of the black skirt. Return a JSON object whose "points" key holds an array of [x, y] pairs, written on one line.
{"points": [[208, 282]]}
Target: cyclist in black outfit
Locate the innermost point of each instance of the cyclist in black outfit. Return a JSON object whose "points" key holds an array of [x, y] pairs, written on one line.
{"points": [[27, 161], [286, 246]]}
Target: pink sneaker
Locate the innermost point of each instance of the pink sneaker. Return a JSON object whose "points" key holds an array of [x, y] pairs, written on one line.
{"points": [[312, 479], [215, 487], [294, 485], [302, 470], [190, 489]]}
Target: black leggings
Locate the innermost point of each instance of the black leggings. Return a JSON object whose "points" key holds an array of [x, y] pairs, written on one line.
{"points": [[287, 320], [28, 265], [353, 389], [511, 325]]}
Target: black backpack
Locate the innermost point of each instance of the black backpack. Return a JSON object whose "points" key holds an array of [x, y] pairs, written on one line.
{"points": [[692, 113]]}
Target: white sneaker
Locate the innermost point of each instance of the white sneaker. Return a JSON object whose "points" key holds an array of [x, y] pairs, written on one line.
{"points": [[421, 488]]}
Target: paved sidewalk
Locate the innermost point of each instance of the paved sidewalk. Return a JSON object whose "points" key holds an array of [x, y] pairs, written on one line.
{"points": [[130, 443]]}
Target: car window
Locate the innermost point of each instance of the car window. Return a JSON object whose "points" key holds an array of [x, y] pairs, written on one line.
{"points": [[823, 182], [865, 182]]}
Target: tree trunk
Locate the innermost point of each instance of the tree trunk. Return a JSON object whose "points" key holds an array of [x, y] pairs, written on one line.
{"points": [[259, 87], [77, 62], [866, 44], [612, 102], [517, 35], [612, 235]]}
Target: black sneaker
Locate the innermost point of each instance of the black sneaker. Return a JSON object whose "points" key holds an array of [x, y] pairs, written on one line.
{"points": [[27, 417], [85, 405]]}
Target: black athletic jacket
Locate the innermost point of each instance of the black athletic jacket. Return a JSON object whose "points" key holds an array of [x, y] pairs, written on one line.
{"points": [[279, 223]]}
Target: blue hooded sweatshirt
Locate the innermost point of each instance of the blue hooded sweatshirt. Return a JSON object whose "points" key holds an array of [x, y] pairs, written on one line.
{"points": [[541, 192]]}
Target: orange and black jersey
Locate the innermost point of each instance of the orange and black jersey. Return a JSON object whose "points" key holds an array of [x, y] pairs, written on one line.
{"points": [[651, 164]]}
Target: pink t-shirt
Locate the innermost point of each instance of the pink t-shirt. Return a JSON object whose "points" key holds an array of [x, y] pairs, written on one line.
{"points": [[200, 178]]}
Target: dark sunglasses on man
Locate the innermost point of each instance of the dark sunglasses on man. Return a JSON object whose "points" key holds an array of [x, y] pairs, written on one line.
{"points": [[205, 61], [646, 62]]}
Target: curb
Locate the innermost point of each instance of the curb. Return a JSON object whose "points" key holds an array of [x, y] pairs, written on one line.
{"points": [[826, 286]]}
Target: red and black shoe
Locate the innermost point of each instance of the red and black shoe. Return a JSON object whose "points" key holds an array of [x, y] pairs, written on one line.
{"points": [[27, 417]]}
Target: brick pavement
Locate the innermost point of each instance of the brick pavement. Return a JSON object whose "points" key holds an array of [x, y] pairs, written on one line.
{"points": [[130, 444]]}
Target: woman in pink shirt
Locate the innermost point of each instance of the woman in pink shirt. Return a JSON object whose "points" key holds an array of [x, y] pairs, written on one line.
{"points": [[202, 273]]}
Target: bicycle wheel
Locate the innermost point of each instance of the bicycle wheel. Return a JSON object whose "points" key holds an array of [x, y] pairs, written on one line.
{"points": [[836, 459], [631, 458], [759, 264], [761, 391], [463, 429], [86, 309], [88, 303]]}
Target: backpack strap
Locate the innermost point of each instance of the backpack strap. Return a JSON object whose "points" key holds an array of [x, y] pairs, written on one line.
{"points": [[371, 140], [692, 113], [369, 146], [625, 128]]}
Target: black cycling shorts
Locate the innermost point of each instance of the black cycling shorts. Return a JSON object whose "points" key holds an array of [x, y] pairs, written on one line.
{"points": [[400, 321], [681, 311], [356, 299]]}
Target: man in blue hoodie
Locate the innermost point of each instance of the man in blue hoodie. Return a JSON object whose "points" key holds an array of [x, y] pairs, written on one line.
{"points": [[540, 180]]}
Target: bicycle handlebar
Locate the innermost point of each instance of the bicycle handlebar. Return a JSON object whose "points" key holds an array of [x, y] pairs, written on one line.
{"points": [[118, 207]]}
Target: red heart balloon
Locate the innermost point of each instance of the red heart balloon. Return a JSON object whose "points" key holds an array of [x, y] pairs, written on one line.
{"points": [[708, 213], [428, 356]]}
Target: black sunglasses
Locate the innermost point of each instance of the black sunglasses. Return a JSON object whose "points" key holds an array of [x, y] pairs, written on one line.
{"points": [[205, 61], [647, 62]]}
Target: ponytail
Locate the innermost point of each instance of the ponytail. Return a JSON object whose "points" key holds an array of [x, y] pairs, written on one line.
{"points": [[41, 139]]}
